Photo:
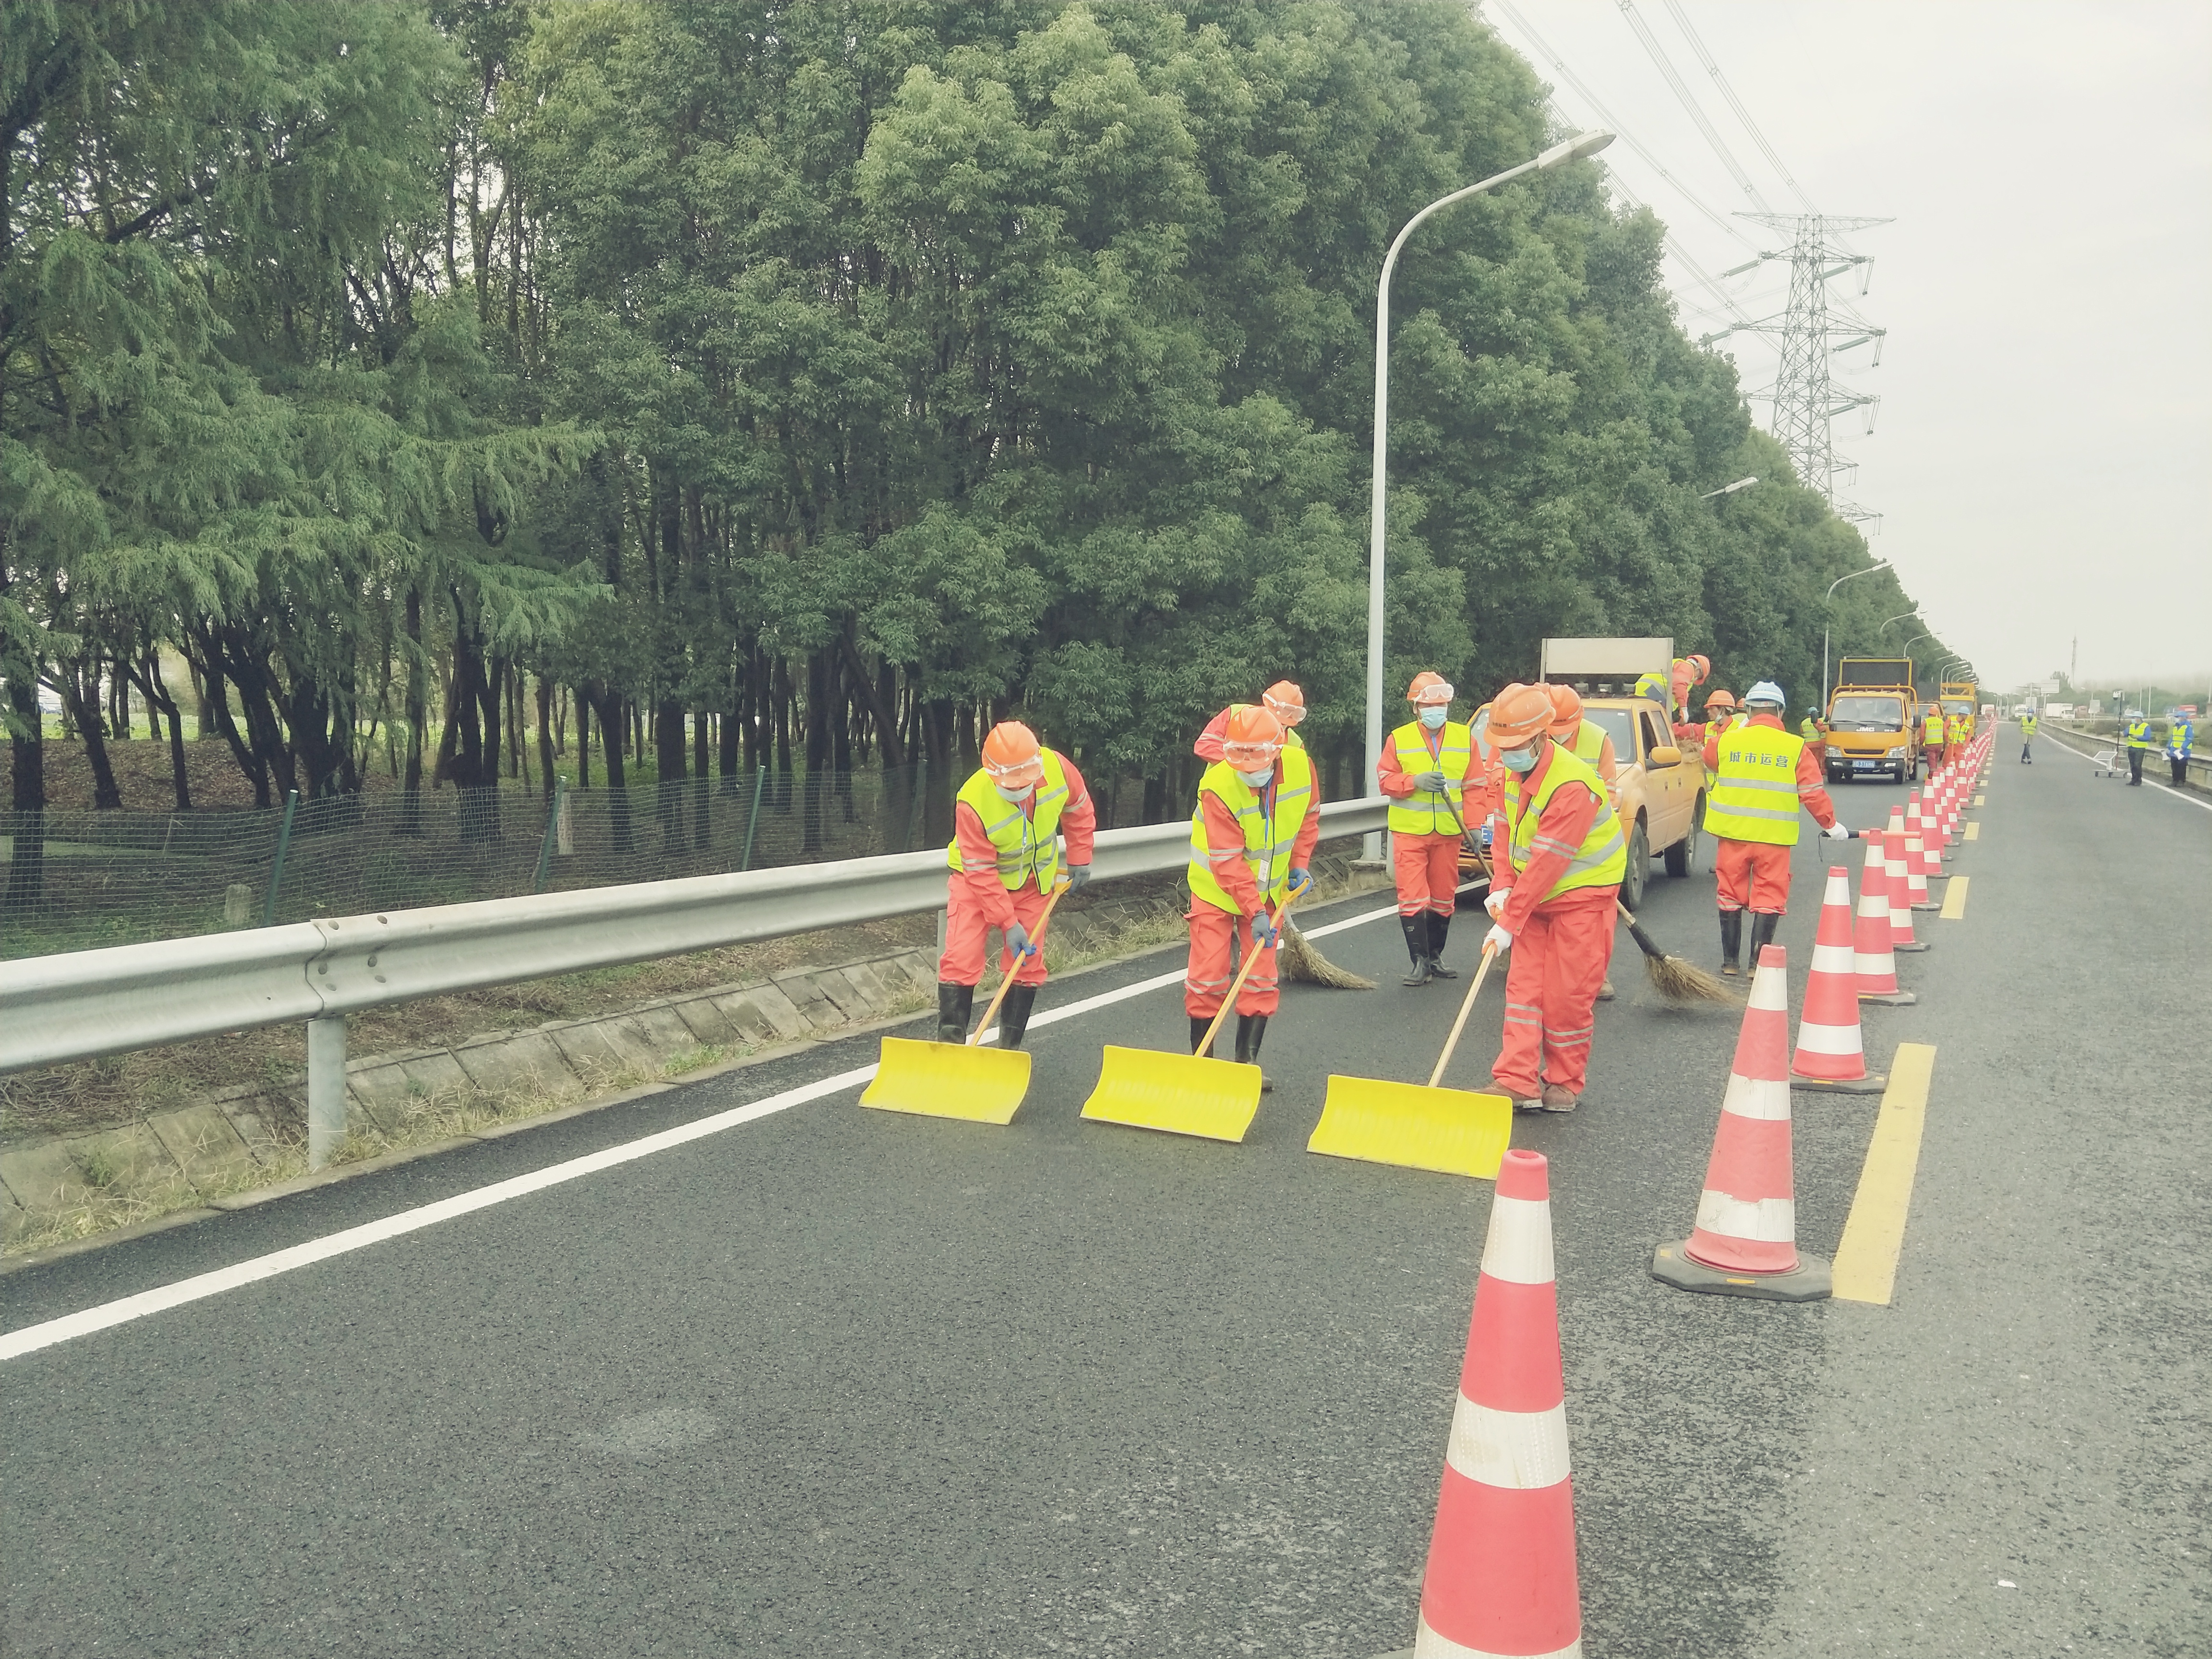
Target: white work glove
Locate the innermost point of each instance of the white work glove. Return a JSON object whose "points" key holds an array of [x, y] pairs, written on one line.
{"points": [[1838, 832], [1498, 939], [1494, 901], [1017, 940]]}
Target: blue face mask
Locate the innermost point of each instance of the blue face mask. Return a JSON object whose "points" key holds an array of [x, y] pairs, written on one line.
{"points": [[1519, 760], [1435, 715]]}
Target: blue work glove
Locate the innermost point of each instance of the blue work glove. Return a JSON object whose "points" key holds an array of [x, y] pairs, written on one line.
{"points": [[1264, 932], [1077, 875], [1017, 940], [1299, 878]]}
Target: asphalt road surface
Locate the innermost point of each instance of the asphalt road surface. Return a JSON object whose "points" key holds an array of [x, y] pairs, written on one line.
{"points": [[839, 1382]]}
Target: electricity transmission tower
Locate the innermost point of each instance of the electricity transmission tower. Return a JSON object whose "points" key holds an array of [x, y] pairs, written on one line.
{"points": [[1806, 399]]}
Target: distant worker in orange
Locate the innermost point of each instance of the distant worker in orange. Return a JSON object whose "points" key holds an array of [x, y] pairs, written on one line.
{"points": [[1556, 877], [1931, 736], [1005, 856], [1427, 769], [1760, 775], [1252, 841], [1720, 710], [1286, 702], [1589, 742]]}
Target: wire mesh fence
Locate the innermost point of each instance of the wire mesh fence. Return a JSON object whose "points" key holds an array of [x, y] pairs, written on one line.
{"points": [[78, 880]]}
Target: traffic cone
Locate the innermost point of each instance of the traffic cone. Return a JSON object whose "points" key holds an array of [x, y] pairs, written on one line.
{"points": [[1501, 1576], [1875, 963], [1900, 897], [1831, 1055], [1917, 860], [1746, 1240]]}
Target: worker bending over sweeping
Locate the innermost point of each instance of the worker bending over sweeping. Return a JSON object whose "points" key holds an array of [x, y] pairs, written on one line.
{"points": [[1760, 775], [1591, 743], [1252, 841], [1555, 881], [1005, 858], [1427, 769]]}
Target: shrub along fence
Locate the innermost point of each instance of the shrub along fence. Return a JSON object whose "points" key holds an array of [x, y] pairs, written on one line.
{"points": [[78, 880]]}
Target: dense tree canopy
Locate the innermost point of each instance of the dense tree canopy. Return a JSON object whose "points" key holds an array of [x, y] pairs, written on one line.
{"points": [[804, 384]]}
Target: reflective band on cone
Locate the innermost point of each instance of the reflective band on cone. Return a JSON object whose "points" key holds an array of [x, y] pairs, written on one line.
{"points": [[1501, 1578], [1829, 1047], [1876, 966], [1901, 902], [1916, 861]]}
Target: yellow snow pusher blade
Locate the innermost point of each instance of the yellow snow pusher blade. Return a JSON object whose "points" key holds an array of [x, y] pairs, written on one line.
{"points": [[1453, 1131], [1182, 1094], [963, 1080]]}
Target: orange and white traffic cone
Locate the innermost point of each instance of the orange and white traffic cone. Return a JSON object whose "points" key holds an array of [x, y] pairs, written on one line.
{"points": [[1831, 1052], [1746, 1240], [1900, 897], [1917, 860], [1501, 1576], [1870, 949]]}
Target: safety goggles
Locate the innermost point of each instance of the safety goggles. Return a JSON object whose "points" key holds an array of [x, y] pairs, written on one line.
{"points": [[1435, 693]]}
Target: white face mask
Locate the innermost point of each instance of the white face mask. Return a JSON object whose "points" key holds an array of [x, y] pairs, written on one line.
{"points": [[1012, 795], [1435, 715], [1256, 779]]}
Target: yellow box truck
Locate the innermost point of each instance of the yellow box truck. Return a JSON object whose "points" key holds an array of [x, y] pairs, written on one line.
{"points": [[1872, 729]]}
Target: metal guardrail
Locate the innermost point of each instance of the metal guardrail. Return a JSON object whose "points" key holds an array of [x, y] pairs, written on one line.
{"points": [[130, 997]]}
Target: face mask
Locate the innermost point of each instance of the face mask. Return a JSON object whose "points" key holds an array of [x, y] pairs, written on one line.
{"points": [[1012, 796], [1519, 760], [1256, 779], [1435, 715]]}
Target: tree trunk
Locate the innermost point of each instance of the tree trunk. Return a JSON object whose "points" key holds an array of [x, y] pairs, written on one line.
{"points": [[583, 737], [27, 862], [608, 702], [545, 731], [79, 685], [418, 716], [937, 747]]}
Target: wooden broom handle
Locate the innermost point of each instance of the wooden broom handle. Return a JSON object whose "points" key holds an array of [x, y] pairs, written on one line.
{"points": [[1238, 984], [1007, 983], [1465, 1007]]}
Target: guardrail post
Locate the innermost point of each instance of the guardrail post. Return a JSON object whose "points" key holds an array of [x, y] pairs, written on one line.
{"points": [[752, 821], [326, 1088], [276, 868], [554, 808]]}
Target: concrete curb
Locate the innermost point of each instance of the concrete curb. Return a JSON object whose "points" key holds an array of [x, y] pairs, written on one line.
{"points": [[194, 1156]]}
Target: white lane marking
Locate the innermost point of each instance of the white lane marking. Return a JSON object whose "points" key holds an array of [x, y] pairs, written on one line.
{"points": [[2163, 788], [31, 1338]]}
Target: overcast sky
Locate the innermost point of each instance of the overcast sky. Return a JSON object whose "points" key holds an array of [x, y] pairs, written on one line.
{"points": [[2041, 453]]}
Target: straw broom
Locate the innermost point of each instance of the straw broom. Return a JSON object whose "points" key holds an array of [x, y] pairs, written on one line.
{"points": [[1670, 977], [1299, 960]]}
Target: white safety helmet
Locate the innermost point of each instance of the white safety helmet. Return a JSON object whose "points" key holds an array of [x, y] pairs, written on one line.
{"points": [[1765, 691]]}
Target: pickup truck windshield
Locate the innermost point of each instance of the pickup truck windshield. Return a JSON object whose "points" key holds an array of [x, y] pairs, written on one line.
{"points": [[1867, 714], [1616, 724]]}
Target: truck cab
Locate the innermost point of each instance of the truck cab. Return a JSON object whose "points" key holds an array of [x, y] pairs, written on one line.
{"points": [[1874, 726]]}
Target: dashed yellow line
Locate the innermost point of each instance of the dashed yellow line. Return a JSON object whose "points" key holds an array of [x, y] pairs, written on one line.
{"points": [[1954, 899], [1978, 800], [1974, 832], [1873, 1234]]}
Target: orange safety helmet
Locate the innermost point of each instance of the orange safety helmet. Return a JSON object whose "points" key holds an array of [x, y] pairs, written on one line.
{"points": [[1285, 702], [1720, 697], [1567, 712], [1428, 687], [1252, 738], [1012, 755], [1520, 712]]}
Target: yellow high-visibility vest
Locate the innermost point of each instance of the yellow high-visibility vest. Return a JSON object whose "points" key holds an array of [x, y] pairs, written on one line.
{"points": [[1932, 731], [1602, 859], [1268, 836], [1028, 843], [1431, 811], [1754, 791]]}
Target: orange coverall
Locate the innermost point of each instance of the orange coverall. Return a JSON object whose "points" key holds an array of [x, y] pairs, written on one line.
{"points": [[1754, 875], [1219, 940], [1426, 867], [976, 901]]}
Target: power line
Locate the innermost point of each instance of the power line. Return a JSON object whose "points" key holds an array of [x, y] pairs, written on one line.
{"points": [[1713, 68], [1657, 53]]}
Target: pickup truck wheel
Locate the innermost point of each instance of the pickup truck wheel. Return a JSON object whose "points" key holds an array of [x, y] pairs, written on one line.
{"points": [[1678, 855], [1639, 866]]}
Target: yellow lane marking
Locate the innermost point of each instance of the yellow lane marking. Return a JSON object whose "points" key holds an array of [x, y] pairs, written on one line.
{"points": [[1974, 832], [1866, 1260], [1955, 898], [1978, 800]]}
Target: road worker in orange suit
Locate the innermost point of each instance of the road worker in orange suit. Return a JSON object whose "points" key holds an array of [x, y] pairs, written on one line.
{"points": [[1592, 743], [1008, 822], [1556, 877], [1760, 775], [1286, 702], [1427, 769], [1252, 841], [1720, 711]]}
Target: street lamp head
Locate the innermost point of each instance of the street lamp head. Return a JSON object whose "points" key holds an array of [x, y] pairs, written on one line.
{"points": [[1729, 489], [1574, 148]]}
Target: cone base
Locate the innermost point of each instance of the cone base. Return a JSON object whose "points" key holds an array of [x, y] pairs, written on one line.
{"points": [[1872, 1084], [1928, 905], [1813, 1281], [1891, 999], [1916, 945]]}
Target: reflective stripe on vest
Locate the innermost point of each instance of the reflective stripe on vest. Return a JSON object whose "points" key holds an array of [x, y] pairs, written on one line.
{"points": [[1932, 730], [2028, 726], [1602, 859], [1027, 841], [1426, 811], [1755, 791], [1268, 837]]}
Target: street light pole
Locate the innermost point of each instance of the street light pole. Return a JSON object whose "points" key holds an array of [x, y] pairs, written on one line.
{"points": [[1898, 617], [1832, 586], [1582, 145]]}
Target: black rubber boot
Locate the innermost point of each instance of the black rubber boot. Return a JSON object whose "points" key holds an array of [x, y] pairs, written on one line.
{"points": [[954, 1003], [1250, 1028], [1014, 1015], [1762, 934], [1416, 930], [1731, 943], [1439, 928], [1198, 1025]]}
